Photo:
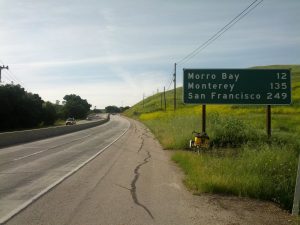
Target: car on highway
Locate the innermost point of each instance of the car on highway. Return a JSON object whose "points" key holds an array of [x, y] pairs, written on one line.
{"points": [[70, 121]]}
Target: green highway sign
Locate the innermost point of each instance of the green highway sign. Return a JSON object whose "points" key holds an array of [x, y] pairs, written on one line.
{"points": [[237, 86]]}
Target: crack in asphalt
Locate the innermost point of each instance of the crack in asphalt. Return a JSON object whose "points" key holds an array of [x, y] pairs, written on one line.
{"points": [[135, 129], [141, 146], [121, 186], [134, 181]]}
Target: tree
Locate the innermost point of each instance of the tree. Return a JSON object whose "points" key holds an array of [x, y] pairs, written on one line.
{"points": [[115, 109], [112, 109], [19, 109], [122, 109], [75, 106], [50, 114]]}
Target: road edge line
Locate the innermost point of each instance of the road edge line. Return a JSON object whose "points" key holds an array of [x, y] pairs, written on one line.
{"points": [[14, 212]]}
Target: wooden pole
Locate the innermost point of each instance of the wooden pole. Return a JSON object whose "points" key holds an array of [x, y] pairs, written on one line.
{"points": [[269, 121], [174, 86], [161, 97], [165, 102], [203, 118]]}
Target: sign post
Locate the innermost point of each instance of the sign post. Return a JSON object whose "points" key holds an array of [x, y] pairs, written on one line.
{"points": [[204, 118], [241, 86], [268, 121]]}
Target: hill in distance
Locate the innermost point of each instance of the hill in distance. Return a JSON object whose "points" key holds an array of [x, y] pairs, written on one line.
{"points": [[156, 102]]}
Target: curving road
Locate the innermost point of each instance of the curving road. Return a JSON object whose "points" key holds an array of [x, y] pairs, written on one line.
{"points": [[31, 169], [131, 182]]}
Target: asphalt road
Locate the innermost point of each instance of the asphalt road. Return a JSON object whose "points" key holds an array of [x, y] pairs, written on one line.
{"points": [[27, 170], [93, 118], [132, 182]]}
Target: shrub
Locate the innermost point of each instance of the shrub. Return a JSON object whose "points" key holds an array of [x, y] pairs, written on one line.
{"points": [[231, 131]]}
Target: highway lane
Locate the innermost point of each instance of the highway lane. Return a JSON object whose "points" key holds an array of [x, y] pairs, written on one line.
{"points": [[93, 118], [28, 169], [134, 182]]}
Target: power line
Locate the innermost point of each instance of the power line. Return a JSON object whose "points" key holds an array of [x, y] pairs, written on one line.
{"points": [[12, 77], [172, 79], [6, 79], [207, 44], [241, 15], [236, 19], [2, 68], [222, 29], [17, 80], [8, 75]]}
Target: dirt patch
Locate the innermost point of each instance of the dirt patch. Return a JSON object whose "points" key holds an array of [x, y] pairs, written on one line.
{"points": [[249, 211]]}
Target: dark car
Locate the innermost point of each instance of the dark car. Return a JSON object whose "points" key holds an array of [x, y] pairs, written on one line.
{"points": [[70, 121]]}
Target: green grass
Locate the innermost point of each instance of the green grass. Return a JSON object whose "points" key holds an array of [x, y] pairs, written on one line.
{"points": [[261, 172], [241, 160]]}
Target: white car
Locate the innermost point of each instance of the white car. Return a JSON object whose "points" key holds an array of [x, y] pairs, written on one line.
{"points": [[70, 121]]}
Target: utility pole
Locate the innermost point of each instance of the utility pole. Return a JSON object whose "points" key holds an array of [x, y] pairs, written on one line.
{"points": [[165, 102], [2, 68], [161, 97], [143, 100], [174, 86]]}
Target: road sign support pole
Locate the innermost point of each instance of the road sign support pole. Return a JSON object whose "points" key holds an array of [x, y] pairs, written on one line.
{"points": [[268, 120], [203, 118]]}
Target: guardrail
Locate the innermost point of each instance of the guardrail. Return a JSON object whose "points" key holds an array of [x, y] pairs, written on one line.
{"points": [[18, 137]]}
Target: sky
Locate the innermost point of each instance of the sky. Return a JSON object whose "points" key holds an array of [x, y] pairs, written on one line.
{"points": [[113, 52]]}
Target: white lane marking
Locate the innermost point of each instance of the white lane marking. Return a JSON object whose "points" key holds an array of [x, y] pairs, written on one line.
{"points": [[10, 215], [26, 156], [23, 157]]}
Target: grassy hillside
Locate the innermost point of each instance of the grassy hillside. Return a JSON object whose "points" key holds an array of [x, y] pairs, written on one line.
{"points": [[241, 160], [153, 103]]}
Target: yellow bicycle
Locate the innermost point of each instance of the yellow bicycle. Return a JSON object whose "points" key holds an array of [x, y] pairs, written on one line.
{"points": [[201, 140]]}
